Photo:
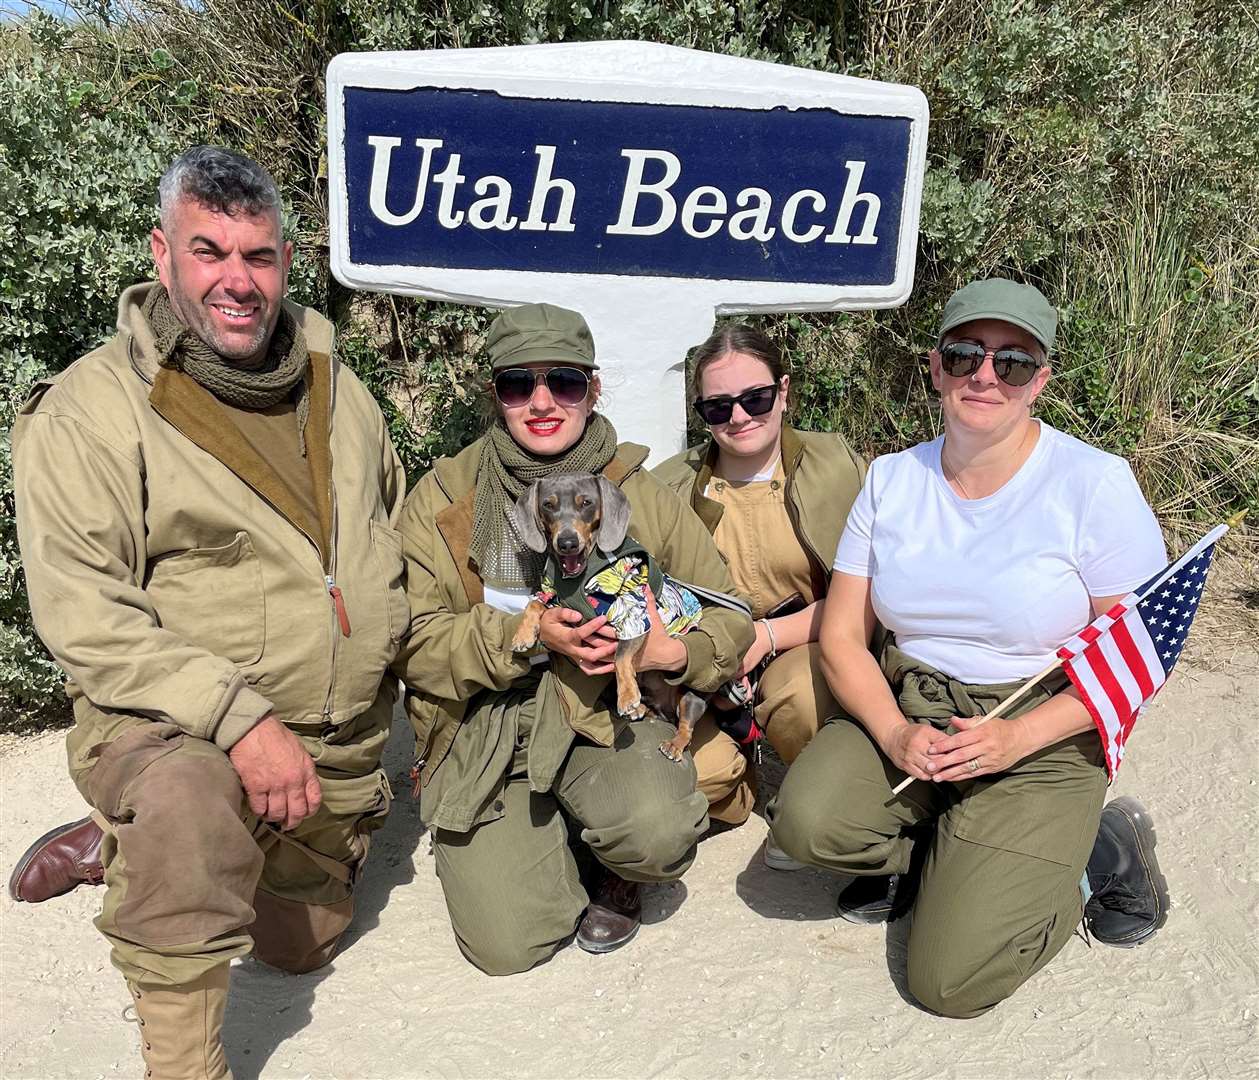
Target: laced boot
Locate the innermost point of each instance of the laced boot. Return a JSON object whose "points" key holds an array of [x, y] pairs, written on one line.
{"points": [[613, 917], [1129, 901], [181, 1028]]}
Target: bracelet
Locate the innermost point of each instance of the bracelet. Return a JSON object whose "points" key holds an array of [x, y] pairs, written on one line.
{"points": [[773, 645]]}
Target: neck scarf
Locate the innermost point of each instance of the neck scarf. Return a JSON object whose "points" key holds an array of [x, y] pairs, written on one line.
{"points": [[281, 371], [504, 472]]}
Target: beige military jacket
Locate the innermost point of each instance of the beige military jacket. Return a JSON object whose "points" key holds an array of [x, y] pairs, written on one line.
{"points": [[166, 573], [823, 475]]}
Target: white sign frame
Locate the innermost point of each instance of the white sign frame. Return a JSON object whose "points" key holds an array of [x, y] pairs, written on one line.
{"points": [[643, 326]]}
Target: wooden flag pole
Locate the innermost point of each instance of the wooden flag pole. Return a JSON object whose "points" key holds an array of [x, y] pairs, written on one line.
{"points": [[996, 712]]}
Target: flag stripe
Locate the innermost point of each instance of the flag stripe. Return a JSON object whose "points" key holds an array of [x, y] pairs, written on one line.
{"points": [[1117, 703], [1145, 645], [1118, 661], [1090, 693], [1133, 661]]}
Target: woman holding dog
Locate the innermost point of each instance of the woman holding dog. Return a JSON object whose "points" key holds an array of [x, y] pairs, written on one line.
{"points": [[775, 500], [516, 751], [981, 551]]}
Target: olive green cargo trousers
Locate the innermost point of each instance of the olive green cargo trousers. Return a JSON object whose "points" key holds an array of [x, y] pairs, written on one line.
{"points": [[1000, 889], [192, 878], [512, 883]]}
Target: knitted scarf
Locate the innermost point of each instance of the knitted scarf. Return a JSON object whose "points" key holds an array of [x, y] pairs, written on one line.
{"points": [[504, 472], [283, 369]]}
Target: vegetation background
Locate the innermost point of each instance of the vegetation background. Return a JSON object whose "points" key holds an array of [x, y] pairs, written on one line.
{"points": [[1106, 150]]}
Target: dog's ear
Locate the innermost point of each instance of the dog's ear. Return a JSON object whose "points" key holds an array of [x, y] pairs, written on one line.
{"points": [[614, 515], [525, 515]]}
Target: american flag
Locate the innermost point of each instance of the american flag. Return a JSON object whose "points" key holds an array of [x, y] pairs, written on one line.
{"points": [[1121, 660]]}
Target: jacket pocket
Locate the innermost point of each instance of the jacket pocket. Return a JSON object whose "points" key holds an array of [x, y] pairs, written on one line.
{"points": [[364, 801], [387, 548], [212, 597], [1046, 807]]}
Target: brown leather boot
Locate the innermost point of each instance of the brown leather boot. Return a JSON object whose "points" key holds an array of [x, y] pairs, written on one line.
{"points": [[60, 860], [613, 917], [181, 1028]]}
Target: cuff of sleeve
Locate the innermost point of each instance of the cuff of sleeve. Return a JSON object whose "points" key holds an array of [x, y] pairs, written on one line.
{"points": [[701, 658], [246, 709]]}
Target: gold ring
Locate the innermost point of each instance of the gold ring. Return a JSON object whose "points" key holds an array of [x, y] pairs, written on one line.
{"points": [[973, 764]]}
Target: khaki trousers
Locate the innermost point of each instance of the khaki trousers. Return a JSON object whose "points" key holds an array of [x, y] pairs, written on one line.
{"points": [[193, 879], [512, 885], [1000, 889], [793, 701]]}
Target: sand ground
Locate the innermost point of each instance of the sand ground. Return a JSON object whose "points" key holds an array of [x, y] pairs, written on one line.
{"points": [[739, 971]]}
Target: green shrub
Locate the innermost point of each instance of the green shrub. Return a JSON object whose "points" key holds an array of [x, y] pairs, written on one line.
{"points": [[1106, 150]]}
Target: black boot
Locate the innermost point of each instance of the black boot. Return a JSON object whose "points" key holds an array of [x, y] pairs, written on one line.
{"points": [[869, 900], [886, 897], [613, 917], [1129, 901]]}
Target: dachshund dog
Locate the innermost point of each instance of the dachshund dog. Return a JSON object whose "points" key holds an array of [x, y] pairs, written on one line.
{"points": [[572, 517]]}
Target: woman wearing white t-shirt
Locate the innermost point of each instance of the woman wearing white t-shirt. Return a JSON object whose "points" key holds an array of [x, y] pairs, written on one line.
{"points": [[981, 552]]}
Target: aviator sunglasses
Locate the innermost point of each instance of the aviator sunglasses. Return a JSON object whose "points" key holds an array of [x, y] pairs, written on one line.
{"points": [[567, 385], [1013, 367], [755, 402]]}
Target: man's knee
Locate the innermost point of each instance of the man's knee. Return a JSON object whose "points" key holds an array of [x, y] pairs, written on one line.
{"points": [[182, 866]]}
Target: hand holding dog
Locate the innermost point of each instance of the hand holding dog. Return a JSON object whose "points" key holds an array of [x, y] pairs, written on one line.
{"points": [[277, 773], [660, 652], [591, 646]]}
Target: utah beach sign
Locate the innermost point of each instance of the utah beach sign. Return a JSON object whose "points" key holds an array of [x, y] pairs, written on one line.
{"points": [[648, 187]]}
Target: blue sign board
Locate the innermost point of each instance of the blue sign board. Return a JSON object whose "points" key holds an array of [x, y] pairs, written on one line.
{"points": [[476, 179]]}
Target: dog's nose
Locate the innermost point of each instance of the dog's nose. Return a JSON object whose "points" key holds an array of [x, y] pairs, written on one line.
{"points": [[568, 543]]}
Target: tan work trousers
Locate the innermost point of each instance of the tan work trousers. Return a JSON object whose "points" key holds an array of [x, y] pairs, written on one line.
{"points": [[793, 701], [193, 879]]}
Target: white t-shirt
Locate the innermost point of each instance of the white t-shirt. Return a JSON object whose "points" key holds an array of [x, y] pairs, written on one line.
{"points": [[511, 601], [987, 590]]}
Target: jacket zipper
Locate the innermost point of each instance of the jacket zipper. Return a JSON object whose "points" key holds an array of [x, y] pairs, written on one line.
{"points": [[340, 626]]}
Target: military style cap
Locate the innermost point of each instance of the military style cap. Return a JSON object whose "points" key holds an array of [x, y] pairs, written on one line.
{"points": [[538, 333], [998, 298]]}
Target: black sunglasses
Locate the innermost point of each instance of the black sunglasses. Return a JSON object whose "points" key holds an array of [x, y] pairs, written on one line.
{"points": [[567, 385], [755, 402], [1013, 367]]}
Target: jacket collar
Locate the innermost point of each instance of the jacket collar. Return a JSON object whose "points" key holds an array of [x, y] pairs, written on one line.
{"points": [[134, 328], [196, 414]]}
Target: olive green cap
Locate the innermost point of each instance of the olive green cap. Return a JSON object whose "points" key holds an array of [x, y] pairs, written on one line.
{"points": [[998, 298], [539, 333]]}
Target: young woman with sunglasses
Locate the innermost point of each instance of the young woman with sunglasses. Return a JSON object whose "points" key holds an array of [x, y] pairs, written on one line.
{"points": [[518, 753], [775, 500], [981, 552]]}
